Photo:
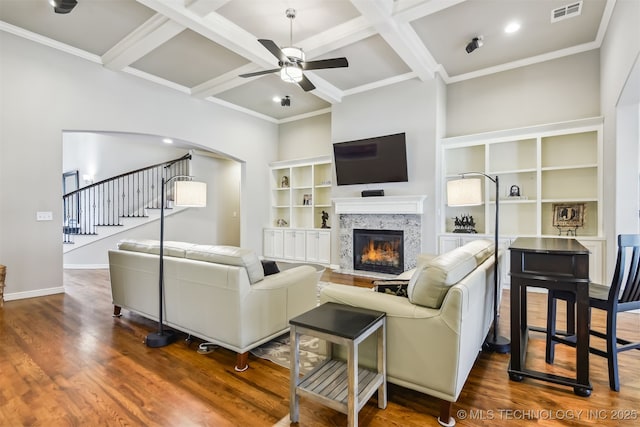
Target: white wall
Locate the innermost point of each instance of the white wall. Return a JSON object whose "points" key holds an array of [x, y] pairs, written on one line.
{"points": [[106, 155], [620, 50], [44, 92], [409, 107]]}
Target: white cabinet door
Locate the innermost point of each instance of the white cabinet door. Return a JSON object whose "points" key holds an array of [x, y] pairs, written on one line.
{"points": [[294, 245], [319, 246], [448, 243], [273, 243], [299, 241]]}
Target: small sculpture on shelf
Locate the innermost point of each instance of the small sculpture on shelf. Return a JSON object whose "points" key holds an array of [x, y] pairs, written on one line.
{"points": [[281, 222], [325, 218], [284, 183], [464, 224]]}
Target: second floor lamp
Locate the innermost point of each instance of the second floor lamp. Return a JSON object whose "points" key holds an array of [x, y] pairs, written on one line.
{"points": [[468, 192]]}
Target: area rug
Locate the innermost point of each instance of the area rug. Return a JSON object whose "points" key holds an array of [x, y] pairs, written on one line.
{"points": [[279, 352]]}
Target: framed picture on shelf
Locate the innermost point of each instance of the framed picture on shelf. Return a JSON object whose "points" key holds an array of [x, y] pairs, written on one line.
{"points": [[569, 215], [306, 200]]}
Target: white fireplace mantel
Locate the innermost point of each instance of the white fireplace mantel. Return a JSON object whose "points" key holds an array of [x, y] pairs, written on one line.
{"points": [[380, 205]]}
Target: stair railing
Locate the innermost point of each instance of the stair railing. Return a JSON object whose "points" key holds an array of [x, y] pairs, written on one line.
{"points": [[128, 195]]}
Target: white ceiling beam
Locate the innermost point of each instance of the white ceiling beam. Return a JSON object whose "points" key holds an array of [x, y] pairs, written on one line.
{"points": [[324, 89], [410, 10], [337, 37], [154, 32], [216, 28], [222, 31], [399, 35], [224, 82]]}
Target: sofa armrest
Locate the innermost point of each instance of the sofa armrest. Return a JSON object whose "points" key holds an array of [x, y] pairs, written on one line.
{"points": [[394, 306]]}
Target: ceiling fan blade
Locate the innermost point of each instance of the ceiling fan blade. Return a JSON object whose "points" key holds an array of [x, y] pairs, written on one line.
{"points": [[306, 84], [274, 49], [325, 63], [259, 73]]}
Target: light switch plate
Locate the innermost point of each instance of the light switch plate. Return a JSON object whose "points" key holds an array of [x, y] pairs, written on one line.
{"points": [[44, 216]]}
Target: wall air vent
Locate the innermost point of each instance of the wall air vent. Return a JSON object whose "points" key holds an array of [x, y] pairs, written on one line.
{"points": [[565, 12]]}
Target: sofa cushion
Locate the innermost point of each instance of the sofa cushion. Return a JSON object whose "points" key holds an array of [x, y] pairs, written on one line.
{"points": [[429, 285], [173, 249], [229, 255]]}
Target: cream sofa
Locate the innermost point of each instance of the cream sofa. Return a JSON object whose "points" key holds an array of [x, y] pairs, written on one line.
{"points": [[217, 293], [433, 336]]}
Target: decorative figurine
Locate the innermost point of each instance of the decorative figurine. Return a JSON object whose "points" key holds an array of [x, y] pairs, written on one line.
{"points": [[464, 224], [281, 222], [284, 183], [325, 217]]}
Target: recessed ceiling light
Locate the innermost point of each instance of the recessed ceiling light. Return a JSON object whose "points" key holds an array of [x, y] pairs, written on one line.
{"points": [[512, 27], [276, 99], [167, 140]]}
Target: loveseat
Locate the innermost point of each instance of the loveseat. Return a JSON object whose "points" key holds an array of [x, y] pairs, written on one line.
{"points": [[436, 333], [216, 293]]}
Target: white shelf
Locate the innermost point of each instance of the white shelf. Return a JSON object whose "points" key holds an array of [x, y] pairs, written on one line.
{"points": [[558, 163]]}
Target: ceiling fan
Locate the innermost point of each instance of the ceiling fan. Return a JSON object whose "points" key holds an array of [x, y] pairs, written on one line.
{"points": [[291, 60]]}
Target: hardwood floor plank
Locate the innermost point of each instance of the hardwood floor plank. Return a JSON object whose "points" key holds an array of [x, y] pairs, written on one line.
{"points": [[64, 360]]}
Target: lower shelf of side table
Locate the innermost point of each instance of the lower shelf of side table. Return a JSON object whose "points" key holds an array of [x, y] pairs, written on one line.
{"points": [[329, 384]]}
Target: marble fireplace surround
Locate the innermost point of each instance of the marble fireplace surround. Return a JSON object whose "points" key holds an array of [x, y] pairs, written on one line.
{"points": [[379, 213]]}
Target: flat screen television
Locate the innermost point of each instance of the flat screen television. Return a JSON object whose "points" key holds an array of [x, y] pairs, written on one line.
{"points": [[371, 160]]}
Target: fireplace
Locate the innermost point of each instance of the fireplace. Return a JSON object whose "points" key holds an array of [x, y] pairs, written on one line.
{"points": [[380, 251]]}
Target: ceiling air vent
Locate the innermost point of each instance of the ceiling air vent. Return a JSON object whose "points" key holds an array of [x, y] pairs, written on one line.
{"points": [[565, 12]]}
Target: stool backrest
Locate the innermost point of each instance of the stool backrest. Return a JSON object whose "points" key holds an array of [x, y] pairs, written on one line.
{"points": [[625, 286]]}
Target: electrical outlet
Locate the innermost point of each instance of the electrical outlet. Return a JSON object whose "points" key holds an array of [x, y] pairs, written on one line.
{"points": [[44, 216]]}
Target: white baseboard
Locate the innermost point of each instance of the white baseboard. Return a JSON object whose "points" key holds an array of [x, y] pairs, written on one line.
{"points": [[33, 294], [85, 266]]}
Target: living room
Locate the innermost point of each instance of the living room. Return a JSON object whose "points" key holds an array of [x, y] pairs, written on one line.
{"points": [[46, 92]]}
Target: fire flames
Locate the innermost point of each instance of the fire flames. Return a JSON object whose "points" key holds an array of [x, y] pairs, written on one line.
{"points": [[382, 253]]}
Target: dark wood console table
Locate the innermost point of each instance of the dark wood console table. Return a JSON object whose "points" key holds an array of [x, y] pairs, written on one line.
{"points": [[551, 263]]}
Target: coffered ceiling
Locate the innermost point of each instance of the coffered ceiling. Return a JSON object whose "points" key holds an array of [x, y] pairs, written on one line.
{"points": [[199, 47]]}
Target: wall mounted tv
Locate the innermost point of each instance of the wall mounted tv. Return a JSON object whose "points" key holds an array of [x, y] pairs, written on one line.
{"points": [[371, 160]]}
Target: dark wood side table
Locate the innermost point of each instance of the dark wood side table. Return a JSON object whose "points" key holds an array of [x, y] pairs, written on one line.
{"points": [[551, 263], [341, 385]]}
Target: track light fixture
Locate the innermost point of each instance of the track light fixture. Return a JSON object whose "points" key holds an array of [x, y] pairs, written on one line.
{"points": [[475, 43], [63, 6], [286, 101]]}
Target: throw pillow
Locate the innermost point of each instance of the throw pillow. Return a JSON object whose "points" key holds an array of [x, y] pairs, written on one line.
{"points": [[270, 267]]}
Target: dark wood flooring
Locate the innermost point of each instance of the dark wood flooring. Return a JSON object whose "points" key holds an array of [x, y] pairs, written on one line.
{"points": [[65, 361]]}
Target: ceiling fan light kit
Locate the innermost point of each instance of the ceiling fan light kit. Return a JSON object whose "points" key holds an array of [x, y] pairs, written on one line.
{"points": [[291, 60]]}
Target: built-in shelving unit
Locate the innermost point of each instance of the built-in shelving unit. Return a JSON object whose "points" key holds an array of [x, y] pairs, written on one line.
{"points": [[559, 163], [300, 192]]}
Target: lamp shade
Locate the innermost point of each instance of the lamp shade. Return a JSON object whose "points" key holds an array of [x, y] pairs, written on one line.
{"points": [[464, 192], [190, 193]]}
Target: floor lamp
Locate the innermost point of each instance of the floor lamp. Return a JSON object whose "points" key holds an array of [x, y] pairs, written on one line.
{"points": [[468, 192], [187, 194]]}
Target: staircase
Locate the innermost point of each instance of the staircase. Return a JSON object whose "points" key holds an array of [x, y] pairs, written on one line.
{"points": [[119, 203]]}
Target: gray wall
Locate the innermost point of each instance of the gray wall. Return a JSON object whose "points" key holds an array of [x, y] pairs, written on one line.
{"points": [[552, 91], [305, 138], [409, 107], [45, 92]]}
